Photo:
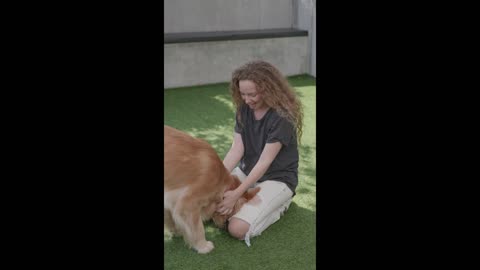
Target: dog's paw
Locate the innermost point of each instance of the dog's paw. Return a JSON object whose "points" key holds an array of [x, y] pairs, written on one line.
{"points": [[206, 247]]}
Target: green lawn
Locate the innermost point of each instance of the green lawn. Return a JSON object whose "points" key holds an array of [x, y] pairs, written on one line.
{"points": [[207, 112]]}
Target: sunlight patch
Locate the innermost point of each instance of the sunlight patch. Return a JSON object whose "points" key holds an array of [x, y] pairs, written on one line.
{"points": [[167, 235], [305, 88], [225, 101]]}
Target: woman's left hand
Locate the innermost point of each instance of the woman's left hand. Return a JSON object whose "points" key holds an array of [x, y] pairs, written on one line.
{"points": [[229, 199]]}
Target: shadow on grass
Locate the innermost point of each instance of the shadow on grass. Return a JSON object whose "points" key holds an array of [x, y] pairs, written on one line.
{"points": [[204, 112], [302, 80], [306, 163], [207, 112], [288, 243]]}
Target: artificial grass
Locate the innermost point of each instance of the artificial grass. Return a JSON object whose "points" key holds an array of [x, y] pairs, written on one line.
{"points": [[207, 112]]}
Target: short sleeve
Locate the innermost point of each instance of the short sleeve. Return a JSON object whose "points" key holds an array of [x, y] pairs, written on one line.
{"points": [[238, 128], [281, 131]]}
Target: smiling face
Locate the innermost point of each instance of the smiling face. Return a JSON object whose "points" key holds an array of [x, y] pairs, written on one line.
{"points": [[250, 95]]}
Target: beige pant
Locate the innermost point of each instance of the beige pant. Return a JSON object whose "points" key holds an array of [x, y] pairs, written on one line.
{"points": [[275, 198]]}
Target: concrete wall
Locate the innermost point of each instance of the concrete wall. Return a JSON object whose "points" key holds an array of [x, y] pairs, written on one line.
{"points": [[226, 15], [305, 18], [187, 64], [199, 63]]}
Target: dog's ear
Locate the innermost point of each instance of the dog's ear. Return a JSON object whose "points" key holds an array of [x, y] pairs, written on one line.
{"points": [[251, 193], [236, 180], [235, 183], [247, 196], [219, 220], [240, 202]]}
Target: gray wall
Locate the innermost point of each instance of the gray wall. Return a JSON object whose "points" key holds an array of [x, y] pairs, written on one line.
{"points": [[195, 63], [226, 15], [199, 63], [305, 18]]}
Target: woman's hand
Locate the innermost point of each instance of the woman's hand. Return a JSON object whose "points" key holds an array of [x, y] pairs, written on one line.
{"points": [[229, 199]]}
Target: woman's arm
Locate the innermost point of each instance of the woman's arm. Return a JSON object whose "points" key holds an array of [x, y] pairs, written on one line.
{"points": [[266, 158], [235, 153]]}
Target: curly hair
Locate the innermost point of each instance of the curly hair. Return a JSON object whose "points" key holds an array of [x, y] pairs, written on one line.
{"points": [[274, 88]]}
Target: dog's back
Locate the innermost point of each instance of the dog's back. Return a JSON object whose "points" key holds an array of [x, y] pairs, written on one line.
{"points": [[194, 181], [188, 160]]}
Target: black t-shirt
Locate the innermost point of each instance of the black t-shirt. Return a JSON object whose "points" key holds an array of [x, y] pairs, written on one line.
{"points": [[271, 128]]}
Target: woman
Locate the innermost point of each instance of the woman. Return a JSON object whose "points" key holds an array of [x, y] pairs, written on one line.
{"points": [[268, 125]]}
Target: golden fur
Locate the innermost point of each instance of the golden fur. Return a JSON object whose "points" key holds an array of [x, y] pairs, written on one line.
{"points": [[194, 182]]}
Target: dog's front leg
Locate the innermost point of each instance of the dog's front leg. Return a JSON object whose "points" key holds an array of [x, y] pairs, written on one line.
{"points": [[188, 217], [169, 223]]}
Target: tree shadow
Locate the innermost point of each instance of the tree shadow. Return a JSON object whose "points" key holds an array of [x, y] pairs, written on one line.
{"points": [[307, 165], [302, 80], [205, 112]]}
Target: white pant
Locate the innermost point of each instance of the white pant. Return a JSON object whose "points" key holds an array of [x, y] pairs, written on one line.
{"points": [[275, 198]]}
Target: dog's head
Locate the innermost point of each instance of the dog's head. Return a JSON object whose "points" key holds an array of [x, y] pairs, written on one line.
{"points": [[221, 220]]}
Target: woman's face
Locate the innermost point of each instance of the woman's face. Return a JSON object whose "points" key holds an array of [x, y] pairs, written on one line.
{"points": [[250, 96]]}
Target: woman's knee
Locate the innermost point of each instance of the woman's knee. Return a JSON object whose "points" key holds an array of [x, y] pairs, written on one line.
{"points": [[238, 228]]}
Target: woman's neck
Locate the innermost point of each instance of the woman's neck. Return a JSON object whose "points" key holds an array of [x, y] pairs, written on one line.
{"points": [[259, 113]]}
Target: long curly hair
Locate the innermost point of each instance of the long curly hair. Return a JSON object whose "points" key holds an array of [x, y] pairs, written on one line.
{"points": [[274, 88]]}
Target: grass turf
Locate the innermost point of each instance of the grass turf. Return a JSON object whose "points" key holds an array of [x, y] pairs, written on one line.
{"points": [[207, 112]]}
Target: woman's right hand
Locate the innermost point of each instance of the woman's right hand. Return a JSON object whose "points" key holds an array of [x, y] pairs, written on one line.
{"points": [[229, 199]]}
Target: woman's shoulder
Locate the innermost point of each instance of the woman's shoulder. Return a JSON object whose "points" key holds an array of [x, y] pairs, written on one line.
{"points": [[243, 107], [243, 110], [276, 118], [274, 115]]}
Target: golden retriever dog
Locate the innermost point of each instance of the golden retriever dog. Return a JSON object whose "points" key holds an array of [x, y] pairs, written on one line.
{"points": [[195, 180]]}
